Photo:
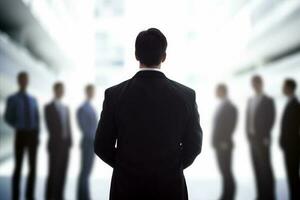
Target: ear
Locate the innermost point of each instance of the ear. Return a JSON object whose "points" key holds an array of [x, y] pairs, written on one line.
{"points": [[136, 57], [163, 57]]}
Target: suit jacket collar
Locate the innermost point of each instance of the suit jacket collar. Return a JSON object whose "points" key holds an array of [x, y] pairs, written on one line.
{"points": [[149, 74]]}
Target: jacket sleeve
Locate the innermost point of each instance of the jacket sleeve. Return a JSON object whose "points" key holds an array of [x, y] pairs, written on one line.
{"points": [[271, 116], [232, 117], [37, 115], [192, 139], [106, 133], [47, 119], [80, 119], [9, 114]]}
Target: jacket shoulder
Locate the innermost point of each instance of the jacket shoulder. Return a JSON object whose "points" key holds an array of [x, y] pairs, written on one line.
{"points": [[48, 106], [182, 89], [269, 98], [117, 88], [12, 97]]}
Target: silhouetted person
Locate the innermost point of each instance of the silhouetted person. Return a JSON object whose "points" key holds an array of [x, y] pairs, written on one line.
{"points": [[290, 138], [22, 114], [224, 125], [259, 122], [155, 123], [60, 140], [87, 120]]}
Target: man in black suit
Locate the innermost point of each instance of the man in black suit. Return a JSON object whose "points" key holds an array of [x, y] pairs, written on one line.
{"points": [[290, 138], [60, 140], [149, 130], [224, 125], [259, 122]]}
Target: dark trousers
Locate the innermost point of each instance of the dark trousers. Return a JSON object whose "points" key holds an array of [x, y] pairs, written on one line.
{"points": [[58, 163], [264, 177], [87, 160], [224, 158], [25, 141], [292, 164]]}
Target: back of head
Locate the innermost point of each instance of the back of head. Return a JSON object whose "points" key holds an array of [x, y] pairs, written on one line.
{"points": [[89, 91], [58, 89], [257, 83], [257, 79], [221, 90], [22, 79], [150, 47], [290, 85]]}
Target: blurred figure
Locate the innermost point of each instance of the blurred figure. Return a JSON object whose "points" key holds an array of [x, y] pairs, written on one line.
{"points": [[22, 114], [87, 120], [155, 123], [259, 122], [60, 140], [224, 125], [290, 138]]}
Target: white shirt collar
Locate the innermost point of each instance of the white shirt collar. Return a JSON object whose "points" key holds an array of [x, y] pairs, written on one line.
{"points": [[57, 102], [150, 69]]}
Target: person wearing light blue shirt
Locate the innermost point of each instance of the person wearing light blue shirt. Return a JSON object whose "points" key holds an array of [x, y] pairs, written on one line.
{"points": [[22, 115], [87, 121]]}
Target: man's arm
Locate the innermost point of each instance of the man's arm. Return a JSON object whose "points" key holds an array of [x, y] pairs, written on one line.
{"points": [[37, 115], [106, 134], [9, 113], [270, 116], [192, 139], [81, 120]]}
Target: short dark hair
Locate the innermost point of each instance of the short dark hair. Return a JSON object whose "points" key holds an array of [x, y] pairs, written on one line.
{"points": [[22, 74], [89, 87], [257, 78], [57, 85], [150, 46], [291, 83], [222, 87]]}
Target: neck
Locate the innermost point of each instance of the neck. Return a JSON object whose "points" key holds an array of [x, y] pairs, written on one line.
{"points": [[259, 93], [142, 66], [23, 90]]}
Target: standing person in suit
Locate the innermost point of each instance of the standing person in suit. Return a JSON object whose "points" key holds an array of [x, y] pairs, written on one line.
{"points": [[60, 140], [224, 125], [149, 129], [259, 122], [22, 114], [290, 138], [87, 121]]}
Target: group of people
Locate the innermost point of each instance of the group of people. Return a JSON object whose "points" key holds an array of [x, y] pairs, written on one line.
{"points": [[260, 116], [22, 114], [149, 132]]}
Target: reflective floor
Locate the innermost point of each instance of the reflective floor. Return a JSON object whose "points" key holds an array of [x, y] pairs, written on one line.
{"points": [[198, 189]]}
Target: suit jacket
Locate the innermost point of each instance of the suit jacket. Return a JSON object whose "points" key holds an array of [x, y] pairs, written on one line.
{"points": [[263, 119], [156, 125], [55, 129], [14, 113], [290, 126], [224, 124]]}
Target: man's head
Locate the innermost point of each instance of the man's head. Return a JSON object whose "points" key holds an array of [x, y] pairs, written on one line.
{"points": [[257, 84], [23, 80], [289, 87], [150, 47], [221, 91], [90, 91], [58, 90]]}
